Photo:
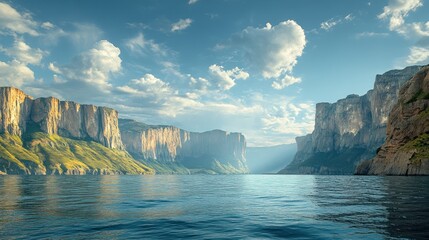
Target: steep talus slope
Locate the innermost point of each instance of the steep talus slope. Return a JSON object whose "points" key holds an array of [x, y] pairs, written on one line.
{"points": [[406, 149], [349, 130], [170, 149]]}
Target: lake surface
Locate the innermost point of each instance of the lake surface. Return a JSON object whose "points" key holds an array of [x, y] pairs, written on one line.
{"points": [[213, 207]]}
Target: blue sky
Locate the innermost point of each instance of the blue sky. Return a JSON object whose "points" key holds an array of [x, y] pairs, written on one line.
{"points": [[256, 67]]}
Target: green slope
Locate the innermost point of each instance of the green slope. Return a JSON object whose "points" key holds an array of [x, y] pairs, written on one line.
{"points": [[40, 153]]}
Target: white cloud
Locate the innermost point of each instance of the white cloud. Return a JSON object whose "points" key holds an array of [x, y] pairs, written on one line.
{"points": [[149, 85], [397, 10], [328, 25], [15, 74], [47, 25], [225, 79], [24, 53], [273, 50], [93, 66], [418, 55], [287, 80], [192, 1], [140, 45], [181, 24], [13, 21], [290, 118], [200, 83]]}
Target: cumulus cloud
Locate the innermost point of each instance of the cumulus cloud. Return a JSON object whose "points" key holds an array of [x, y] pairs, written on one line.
{"points": [[397, 10], [140, 44], [15, 74], [149, 85], [93, 66], [181, 24], [225, 79], [273, 50], [24, 53], [15, 22], [290, 118], [192, 1], [418, 55], [287, 80]]}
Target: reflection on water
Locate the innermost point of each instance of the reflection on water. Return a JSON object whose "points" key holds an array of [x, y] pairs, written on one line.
{"points": [[199, 206]]}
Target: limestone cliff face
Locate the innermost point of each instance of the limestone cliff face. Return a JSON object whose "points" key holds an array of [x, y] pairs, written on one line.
{"points": [[19, 113], [349, 130], [406, 149], [15, 110], [216, 150]]}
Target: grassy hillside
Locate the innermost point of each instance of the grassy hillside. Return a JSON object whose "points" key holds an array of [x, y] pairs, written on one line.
{"points": [[40, 153]]}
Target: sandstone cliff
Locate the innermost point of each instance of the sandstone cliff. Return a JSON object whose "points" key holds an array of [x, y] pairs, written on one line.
{"points": [[168, 147], [20, 114], [49, 136], [406, 149], [349, 130]]}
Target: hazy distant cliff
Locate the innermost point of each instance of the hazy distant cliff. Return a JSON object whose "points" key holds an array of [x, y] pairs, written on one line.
{"points": [[49, 136], [349, 130], [406, 149], [169, 147], [20, 113]]}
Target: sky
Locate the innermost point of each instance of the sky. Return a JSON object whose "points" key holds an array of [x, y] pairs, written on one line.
{"points": [[252, 66]]}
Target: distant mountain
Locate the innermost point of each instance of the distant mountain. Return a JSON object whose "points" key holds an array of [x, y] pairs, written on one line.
{"points": [[406, 149], [269, 159], [349, 130], [171, 150]]}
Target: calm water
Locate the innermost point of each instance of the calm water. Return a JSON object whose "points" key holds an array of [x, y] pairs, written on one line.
{"points": [[213, 207]]}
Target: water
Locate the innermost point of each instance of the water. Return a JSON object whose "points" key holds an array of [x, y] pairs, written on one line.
{"points": [[213, 207]]}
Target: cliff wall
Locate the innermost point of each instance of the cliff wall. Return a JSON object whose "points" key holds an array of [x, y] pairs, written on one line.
{"points": [[406, 149], [216, 150], [349, 130], [20, 114]]}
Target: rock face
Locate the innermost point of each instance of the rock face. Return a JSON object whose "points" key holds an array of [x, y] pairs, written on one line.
{"points": [[213, 151], [20, 113], [349, 130], [406, 149]]}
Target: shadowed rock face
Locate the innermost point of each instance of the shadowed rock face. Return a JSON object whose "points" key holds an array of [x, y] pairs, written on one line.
{"points": [[20, 113], [349, 130], [406, 149], [216, 150]]}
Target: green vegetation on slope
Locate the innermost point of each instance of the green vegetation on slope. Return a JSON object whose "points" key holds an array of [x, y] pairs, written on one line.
{"points": [[421, 147], [41, 153]]}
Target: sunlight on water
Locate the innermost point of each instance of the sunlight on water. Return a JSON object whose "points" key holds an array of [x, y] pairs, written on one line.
{"points": [[200, 206]]}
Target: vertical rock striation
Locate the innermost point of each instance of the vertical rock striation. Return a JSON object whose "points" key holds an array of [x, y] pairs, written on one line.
{"points": [[406, 149], [349, 130], [20, 113], [216, 150]]}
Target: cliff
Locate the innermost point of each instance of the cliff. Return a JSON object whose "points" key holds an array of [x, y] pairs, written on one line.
{"points": [[349, 130], [170, 149], [49, 136], [406, 149], [20, 114]]}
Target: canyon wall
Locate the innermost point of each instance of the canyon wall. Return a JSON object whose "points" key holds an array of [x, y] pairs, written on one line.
{"points": [[217, 151], [20, 114], [349, 130], [406, 149]]}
